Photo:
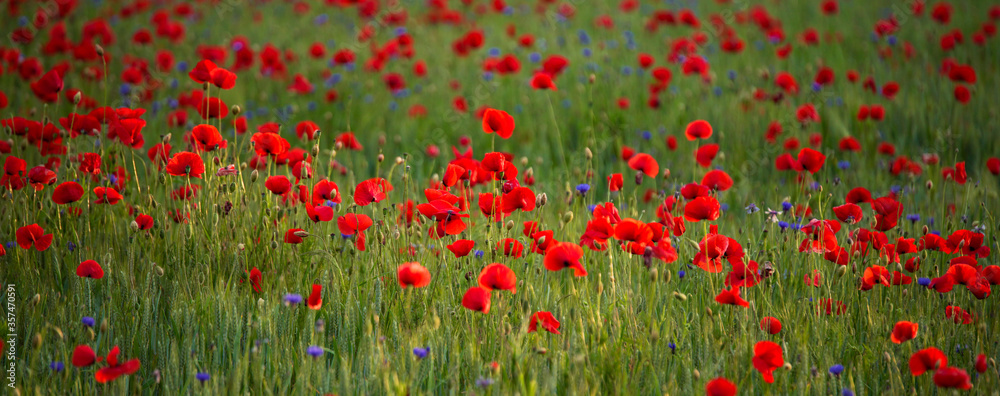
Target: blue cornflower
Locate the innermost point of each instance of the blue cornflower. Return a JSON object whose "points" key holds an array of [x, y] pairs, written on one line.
{"points": [[314, 351], [752, 208], [583, 188], [203, 376], [681, 273], [478, 253], [844, 164], [88, 321], [421, 353], [783, 224], [484, 382], [913, 218], [292, 298], [924, 281], [786, 206], [836, 369], [57, 366]]}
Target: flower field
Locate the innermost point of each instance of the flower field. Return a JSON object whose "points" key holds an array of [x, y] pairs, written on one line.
{"points": [[539, 197]]}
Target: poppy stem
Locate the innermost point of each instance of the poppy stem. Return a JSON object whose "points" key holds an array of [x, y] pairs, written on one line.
{"points": [[555, 123]]}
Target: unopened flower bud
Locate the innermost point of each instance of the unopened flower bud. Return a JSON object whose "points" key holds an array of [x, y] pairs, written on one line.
{"points": [[77, 98], [236, 110]]}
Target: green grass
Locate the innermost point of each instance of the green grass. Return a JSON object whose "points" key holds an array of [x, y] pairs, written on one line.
{"points": [[175, 296]]}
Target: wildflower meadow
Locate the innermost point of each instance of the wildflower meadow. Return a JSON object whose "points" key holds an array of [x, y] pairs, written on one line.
{"points": [[499, 197]]}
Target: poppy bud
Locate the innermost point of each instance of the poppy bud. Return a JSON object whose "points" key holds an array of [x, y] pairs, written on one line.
{"points": [[333, 154], [696, 374], [510, 226], [680, 296], [930, 185], [77, 98], [274, 245], [260, 303], [301, 234], [158, 269], [541, 199], [58, 332], [100, 50], [600, 285], [134, 226], [541, 350], [588, 154], [104, 325], [567, 217], [204, 86], [638, 178], [708, 311], [232, 187], [36, 341], [524, 161], [380, 158], [253, 176], [653, 274], [399, 160], [436, 320], [162, 178], [787, 366], [841, 271], [888, 358], [235, 109]]}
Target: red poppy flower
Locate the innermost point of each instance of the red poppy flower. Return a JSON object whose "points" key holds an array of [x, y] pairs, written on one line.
{"points": [[202, 71], [278, 185], [706, 154], [47, 87], [107, 195], [477, 299], [67, 193], [720, 387], [549, 322], [615, 182], [903, 331], [292, 238], [890, 89], [315, 300], [498, 121], [33, 235], [186, 164], [115, 370], [698, 129], [644, 163], [461, 247], [993, 165], [848, 213], [83, 356], [952, 377], [144, 221], [981, 363], [858, 195], [565, 255], [702, 208], [269, 144], [810, 160], [962, 94], [542, 81], [717, 180], [731, 296], [255, 278], [213, 108], [771, 325], [413, 275], [371, 190], [319, 213], [325, 190], [40, 176], [222, 78], [90, 269], [497, 276], [519, 198], [887, 212], [767, 357], [927, 359], [207, 138]]}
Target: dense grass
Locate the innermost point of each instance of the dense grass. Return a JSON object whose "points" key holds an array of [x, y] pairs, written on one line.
{"points": [[176, 298]]}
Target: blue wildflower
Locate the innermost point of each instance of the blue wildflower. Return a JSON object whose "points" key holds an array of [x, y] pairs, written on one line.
{"points": [[836, 369], [913, 218], [421, 353], [681, 273], [478, 253], [647, 135], [88, 321], [786, 206], [583, 188], [924, 281], [201, 376], [484, 382], [752, 208], [847, 392], [314, 351], [57, 366], [783, 224], [844, 164], [292, 298]]}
